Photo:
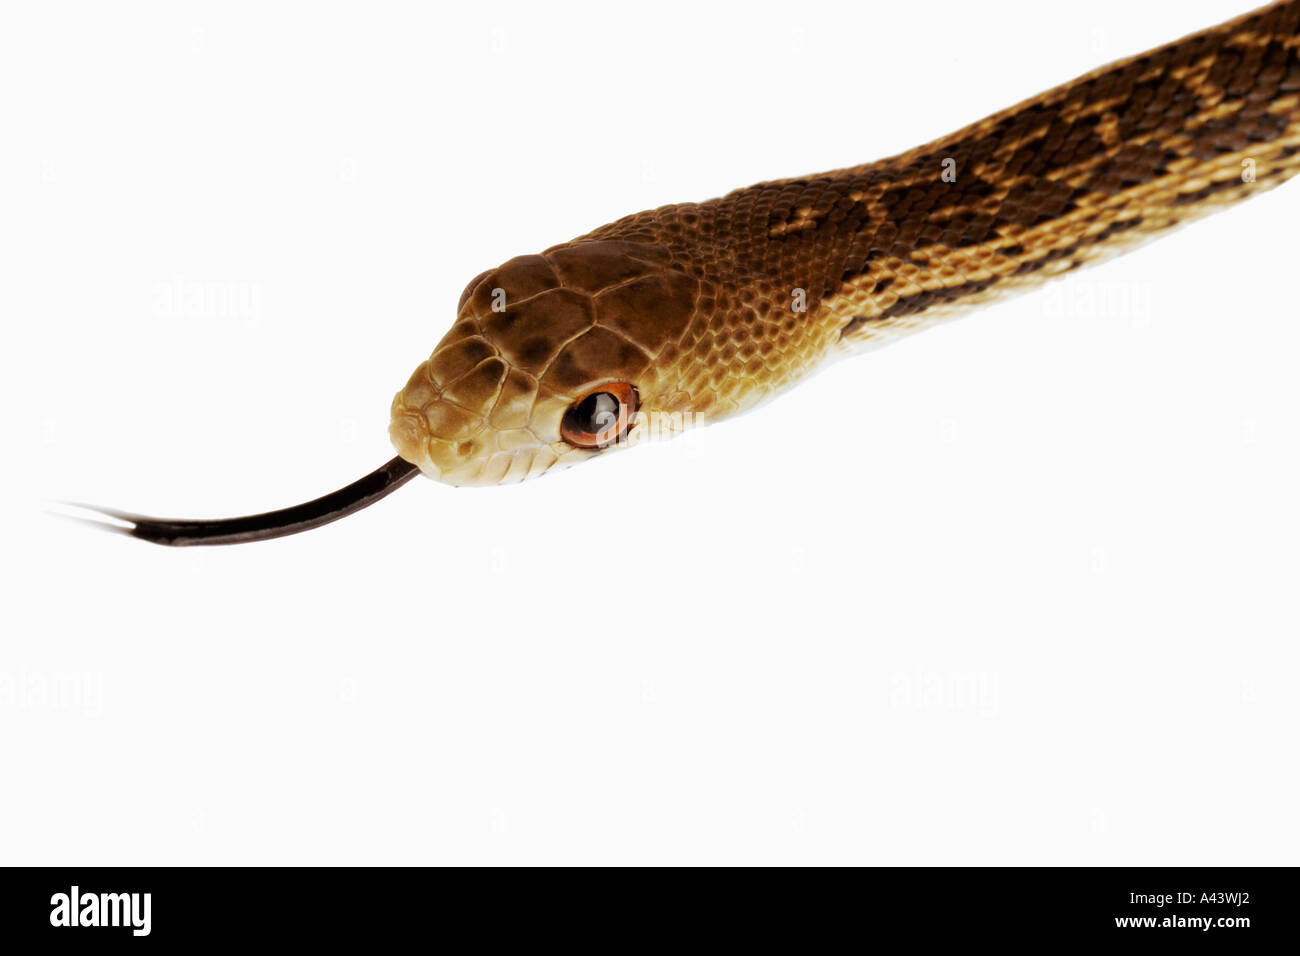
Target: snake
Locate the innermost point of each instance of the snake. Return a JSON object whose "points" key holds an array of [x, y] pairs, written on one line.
{"points": [[693, 313]]}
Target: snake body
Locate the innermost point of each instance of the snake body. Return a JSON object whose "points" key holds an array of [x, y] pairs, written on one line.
{"points": [[692, 313], [707, 309]]}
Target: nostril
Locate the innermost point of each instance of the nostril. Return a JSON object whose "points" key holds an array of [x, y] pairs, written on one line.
{"points": [[464, 449]]}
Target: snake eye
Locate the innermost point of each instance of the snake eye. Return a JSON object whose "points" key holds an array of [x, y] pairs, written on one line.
{"points": [[601, 417]]}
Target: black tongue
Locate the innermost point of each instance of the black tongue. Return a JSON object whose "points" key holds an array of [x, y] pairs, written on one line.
{"points": [[272, 524]]}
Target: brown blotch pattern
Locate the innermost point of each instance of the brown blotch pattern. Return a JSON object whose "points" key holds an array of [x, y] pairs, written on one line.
{"points": [[712, 307]]}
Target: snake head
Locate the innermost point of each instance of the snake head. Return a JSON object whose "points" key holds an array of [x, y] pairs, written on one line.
{"points": [[553, 359]]}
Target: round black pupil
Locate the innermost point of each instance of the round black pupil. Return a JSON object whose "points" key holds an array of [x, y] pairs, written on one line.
{"points": [[596, 413]]}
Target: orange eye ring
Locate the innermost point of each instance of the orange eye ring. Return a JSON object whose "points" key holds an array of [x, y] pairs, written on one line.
{"points": [[602, 417]]}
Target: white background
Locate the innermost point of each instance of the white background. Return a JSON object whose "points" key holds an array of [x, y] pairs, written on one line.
{"points": [[1021, 589]]}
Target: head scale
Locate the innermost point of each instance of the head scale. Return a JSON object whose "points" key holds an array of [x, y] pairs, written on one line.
{"points": [[553, 359]]}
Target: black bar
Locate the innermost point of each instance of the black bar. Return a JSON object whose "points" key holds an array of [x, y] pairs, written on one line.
{"points": [[384, 907]]}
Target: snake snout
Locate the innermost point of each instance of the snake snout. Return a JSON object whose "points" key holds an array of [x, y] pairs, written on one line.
{"points": [[452, 445], [411, 439]]}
